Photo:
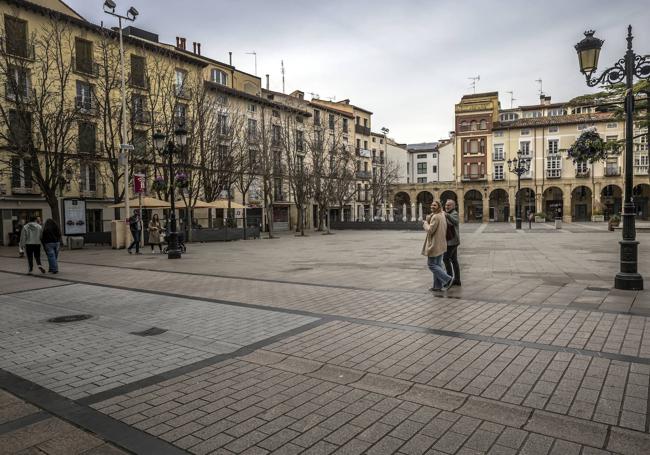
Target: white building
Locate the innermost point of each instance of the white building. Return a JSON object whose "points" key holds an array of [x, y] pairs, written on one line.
{"points": [[430, 162]]}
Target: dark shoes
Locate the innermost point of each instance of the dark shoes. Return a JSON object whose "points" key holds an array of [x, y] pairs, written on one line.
{"points": [[434, 289], [130, 252], [41, 269]]}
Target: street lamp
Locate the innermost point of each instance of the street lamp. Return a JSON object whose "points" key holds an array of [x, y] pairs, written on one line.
{"points": [[520, 165], [384, 200], [623, 70], [125, 147], [167, 148]]}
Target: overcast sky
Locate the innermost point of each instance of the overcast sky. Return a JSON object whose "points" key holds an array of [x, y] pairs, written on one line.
{"points": [[407, 61]]}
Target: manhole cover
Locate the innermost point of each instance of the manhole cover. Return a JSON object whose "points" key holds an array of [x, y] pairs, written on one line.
{"points": [[70, 318], [593, 288], [150, 332]]}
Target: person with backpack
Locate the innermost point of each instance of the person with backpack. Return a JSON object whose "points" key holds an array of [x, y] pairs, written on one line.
{"points": [[453, 241], [435, 245], [30, 241]]}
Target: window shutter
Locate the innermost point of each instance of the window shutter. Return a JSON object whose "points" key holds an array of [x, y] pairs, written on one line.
{"points": [[15, 173], [82, 177], [27, 172], [92, 183]]}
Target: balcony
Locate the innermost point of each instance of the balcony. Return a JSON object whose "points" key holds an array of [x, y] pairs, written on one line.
{"points": [[360, 129], [139, 82], [183, 92], [498, 177], [640, 170], [91, 147], [612, 171], [86, 105], [583, 173], [553, 173], [498, 157], [17, 48], [472, 177], [363, 153], [25, 189], [143, 117], [363, 175], [17, 93], [85, 67]]}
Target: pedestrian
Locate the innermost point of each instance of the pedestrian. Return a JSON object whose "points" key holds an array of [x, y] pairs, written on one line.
{"points": [[530, 219], [17, 231], [30, 241], [135, 225], [453, 241], [155, 232], [51, 240], [435, 245]]}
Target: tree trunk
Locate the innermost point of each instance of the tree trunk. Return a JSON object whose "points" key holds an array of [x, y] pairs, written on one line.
{"points": [[53, 202]]}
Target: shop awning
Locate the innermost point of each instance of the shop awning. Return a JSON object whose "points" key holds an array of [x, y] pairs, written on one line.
{"points": [[223, 204], [147, 202]]}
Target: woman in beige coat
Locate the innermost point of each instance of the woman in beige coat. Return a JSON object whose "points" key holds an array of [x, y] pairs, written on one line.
{"points": [[435, 246], [155, 232]]}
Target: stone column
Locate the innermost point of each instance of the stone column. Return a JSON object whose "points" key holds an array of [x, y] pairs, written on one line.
{"points": [[372, 211], [404, 211], [486, 207], [566, 205], [390, 212], [413, 214], [460, 194]]}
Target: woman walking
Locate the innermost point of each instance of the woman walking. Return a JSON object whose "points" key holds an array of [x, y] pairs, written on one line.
{"points": [[155, 232], [52, 242], [30, 242], [435, 246]]}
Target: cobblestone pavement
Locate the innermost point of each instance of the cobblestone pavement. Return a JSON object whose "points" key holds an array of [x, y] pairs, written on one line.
{"points": [[331, 344]]}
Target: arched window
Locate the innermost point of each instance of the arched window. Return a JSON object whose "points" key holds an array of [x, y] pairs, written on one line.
{"points": [[482, 124], [464, 125], [472, 125], [218, 76]]}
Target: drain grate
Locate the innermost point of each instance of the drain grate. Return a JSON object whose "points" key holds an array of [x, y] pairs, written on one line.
{"points": [[594, 288], [153, 331], [70, 318]]}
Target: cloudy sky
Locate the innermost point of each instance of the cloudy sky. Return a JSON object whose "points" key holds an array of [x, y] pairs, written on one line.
{"points": [[407, 61]]}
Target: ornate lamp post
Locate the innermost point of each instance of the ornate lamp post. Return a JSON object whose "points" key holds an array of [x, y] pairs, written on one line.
{"points": [[519, 166], [623, 70], [167, 148]]}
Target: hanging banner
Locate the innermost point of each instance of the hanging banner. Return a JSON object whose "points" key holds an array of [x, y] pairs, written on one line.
{"points": [[139, 183]]}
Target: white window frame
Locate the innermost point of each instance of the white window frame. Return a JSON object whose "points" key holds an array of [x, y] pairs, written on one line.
{"points": [[498, 172], [612, 125], [219, 76], [554, 129], [525, 132], [554, 165], [498, 152], [553, 146]]}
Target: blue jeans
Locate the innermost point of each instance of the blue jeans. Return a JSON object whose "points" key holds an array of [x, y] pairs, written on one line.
{"points": [[52, 252], [136, 241], [440, 277]]}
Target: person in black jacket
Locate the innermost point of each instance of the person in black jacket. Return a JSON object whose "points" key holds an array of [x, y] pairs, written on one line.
{"points": [[135, 225], [51, 240]]}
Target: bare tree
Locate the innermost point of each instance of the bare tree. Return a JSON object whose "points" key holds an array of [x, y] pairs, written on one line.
{"points": [[290, 136], [383, 177], [40, 102]]}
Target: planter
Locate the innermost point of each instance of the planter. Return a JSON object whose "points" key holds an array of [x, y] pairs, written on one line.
{"points": [[540, 219], [597, 218]]}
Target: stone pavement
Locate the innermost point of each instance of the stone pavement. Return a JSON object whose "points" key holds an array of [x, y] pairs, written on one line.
{"points": [[331, 344]]}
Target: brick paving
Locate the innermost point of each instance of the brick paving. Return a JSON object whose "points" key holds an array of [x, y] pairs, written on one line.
{"points": [[331, 344]]}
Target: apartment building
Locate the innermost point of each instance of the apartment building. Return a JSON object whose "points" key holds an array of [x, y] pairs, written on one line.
{"points": [[431, 162]]}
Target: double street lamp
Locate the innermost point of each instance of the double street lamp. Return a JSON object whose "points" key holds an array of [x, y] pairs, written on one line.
{"points": [[520, 165], [167, 147], [624, 70]]}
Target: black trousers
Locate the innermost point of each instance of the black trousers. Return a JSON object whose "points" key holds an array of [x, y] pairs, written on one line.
{"points": [[136, 241], [33, 252], [451, 262]]}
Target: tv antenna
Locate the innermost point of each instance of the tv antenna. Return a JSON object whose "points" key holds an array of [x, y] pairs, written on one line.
{"points": [[512, 98], [282, 71], [539, 81], [315, 96], [331, 98], [254, 54], [474, 81]]}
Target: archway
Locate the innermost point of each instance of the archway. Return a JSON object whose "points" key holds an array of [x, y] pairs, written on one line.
{"points": [[446, 195], [525, 197], [581, 203], [611, 198], [552, 201], [640, 198], [473, 207], [499, 205], [425, 198], [401, 201]]}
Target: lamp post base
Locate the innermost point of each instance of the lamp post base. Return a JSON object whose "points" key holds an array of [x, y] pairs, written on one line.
{"points": [[628, 281], [173, 252], [518, 223]]}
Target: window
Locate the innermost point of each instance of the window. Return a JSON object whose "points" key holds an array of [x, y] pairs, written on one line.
{"points": [[434, 169], [464, 126], [473, 147], [553, 165], [365, 145], [612, 138], [434, 155], [365, 122], [222, 99], [87, 177], [498, 134], [218, 76], [252, 128], [553, 129], [582, 167], [482, 124], [21, 173], [252, 107], [525, 148], [345, 125], [18, 83], [299, 141], [498, 171], [86, 139], [422, 180], [299, 118], [381, 141], [16, 37], [421, 156], [84, 99], [498, 152], [83, 56], [532, 114], [373, 139], [473, 170], [509, 116], [139, 108], [612, 125], [556, 112], [20, 129], [422, 168], [138, 76], [472, 125], [553, 146], [331, 121], [316, 117], [525, 132], [181, 76], [180, 113], [582, 127], [140, 143], [275, 135], [222, 124]]}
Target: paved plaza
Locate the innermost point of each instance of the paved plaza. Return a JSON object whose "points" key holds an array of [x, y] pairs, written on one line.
{"points": [[330, 344]]}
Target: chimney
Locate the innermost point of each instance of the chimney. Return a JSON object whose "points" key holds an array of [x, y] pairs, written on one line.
{"points": [[544, 100], [178, 42], [181, 43], [194, 46], [230, 58], [198, 48], [267, 81]]}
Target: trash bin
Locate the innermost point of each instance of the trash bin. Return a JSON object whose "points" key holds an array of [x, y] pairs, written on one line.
{"points": [[558, 223], [75, 243]]}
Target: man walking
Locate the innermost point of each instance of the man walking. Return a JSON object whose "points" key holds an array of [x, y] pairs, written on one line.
{"points": [[451, 255], [135, 225]]}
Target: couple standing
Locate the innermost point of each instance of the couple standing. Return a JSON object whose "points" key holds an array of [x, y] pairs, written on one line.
{"points": [[441, 244]]}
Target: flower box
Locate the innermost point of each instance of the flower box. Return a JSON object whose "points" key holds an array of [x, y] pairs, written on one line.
{"points": [[597, 218]]}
